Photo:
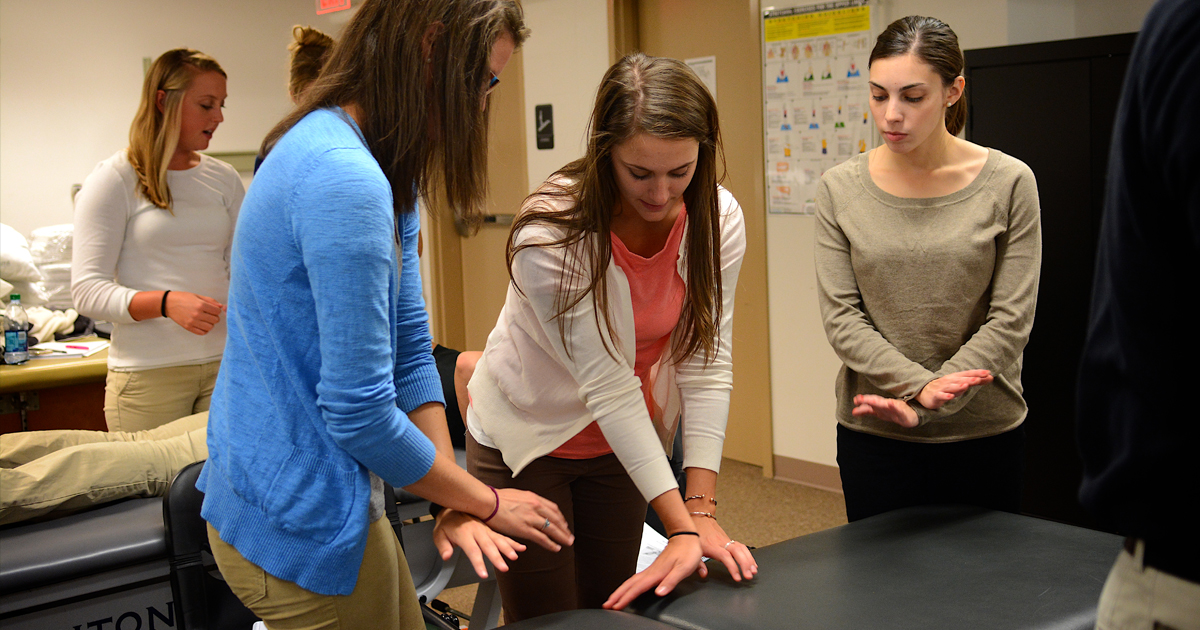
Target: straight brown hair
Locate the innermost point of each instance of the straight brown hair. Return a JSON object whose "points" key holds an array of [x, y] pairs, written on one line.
{"points": [[663, 98], [154, 135], [422, 115]]}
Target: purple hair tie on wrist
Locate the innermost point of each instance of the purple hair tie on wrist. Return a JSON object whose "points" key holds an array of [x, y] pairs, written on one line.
{"points": [[496, 509]]}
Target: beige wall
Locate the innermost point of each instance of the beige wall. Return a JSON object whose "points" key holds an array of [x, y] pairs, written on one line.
{"points": [[471, 279], [71, 76], [730, 31], [70, 71], [466, 277], [564, 62]]}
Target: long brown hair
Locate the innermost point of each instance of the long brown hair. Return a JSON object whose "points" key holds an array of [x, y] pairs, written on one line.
{"points": [[310, 49], [422, 119], [663, 98], [154, 135], [934, 43]]}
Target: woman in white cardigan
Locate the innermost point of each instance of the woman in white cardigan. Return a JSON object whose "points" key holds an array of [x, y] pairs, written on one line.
{"points": [[616, 331], [153, 227]]}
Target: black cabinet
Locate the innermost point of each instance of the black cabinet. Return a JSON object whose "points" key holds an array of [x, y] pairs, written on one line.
{"points": [[1052, 105]]}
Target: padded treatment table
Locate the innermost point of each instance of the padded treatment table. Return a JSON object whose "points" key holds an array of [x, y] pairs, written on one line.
{"points": [[110, 563], [928, 567], [589, 620], [105, 563]]}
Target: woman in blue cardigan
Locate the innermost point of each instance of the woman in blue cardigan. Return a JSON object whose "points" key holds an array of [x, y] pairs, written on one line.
{"points": [[328, 387]]}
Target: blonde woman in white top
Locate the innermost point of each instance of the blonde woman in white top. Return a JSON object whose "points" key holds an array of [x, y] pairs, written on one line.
{"points": [[153, 227]]}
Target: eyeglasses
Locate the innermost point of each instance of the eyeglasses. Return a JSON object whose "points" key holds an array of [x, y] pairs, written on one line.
{"points": [[491, 84]]}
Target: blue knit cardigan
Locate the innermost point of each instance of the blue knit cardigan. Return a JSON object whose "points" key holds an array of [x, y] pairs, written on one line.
{"points": [[328, 350]]}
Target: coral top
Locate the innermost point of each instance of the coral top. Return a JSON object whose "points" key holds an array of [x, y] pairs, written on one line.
{"points": [[657, 293]]}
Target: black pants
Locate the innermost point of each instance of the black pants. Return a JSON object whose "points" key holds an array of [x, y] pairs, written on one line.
{"points": [[882, 474]]}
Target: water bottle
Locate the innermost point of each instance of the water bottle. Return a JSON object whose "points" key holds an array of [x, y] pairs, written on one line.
{"points": [[16, 342]]}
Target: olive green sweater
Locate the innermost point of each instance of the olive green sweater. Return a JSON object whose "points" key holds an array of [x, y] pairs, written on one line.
{"points": [[914, 289]]}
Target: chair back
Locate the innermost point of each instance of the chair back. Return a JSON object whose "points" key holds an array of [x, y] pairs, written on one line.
{"points": [[202, 601]]}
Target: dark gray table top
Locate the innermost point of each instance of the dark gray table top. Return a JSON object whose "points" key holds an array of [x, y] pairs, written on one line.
{"points": [[109, 537], [928, 568], [589, 620]]}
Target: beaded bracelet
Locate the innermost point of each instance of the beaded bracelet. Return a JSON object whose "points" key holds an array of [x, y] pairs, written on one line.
{"points": [[700, 496]]}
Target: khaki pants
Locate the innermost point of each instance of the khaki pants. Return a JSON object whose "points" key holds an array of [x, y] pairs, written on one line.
{"points": [[141, 400], [384, 597], [1138, 597], [60, 471]]}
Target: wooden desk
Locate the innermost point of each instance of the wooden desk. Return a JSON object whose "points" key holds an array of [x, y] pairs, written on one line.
{"points": [[54, 393]]}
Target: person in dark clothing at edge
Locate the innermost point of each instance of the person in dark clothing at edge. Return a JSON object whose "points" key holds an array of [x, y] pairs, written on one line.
{"points": [[1138, 439]]}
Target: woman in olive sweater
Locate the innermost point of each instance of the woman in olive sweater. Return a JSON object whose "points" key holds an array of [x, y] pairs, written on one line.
{"points": [[928, 251]]}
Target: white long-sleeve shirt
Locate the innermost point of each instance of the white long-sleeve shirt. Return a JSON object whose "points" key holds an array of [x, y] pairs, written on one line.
{"points": [[528, 397], [124, 244]]}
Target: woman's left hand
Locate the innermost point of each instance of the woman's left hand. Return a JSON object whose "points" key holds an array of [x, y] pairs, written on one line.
{"points": [[942, 390], [716, 544], [458, 529]]}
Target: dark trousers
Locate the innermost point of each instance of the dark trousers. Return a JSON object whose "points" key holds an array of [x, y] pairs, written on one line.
{"points": [[605, 511], [882, 474]]}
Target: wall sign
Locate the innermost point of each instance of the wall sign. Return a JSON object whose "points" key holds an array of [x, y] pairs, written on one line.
{"points": [[329, 6], [815, 93], [543, 117], [706, 69]]}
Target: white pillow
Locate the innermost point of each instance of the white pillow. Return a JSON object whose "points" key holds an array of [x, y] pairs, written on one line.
{"points": [[15, 262]]}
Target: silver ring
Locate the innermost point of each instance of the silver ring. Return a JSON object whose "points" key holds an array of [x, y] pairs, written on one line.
{"points": [[545, 525], [728, 543]]}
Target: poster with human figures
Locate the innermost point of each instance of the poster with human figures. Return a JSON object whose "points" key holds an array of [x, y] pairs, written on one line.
{"points": [[815, 93]]}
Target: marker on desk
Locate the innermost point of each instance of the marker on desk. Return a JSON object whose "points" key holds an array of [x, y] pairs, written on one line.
{"points": [[78, 347]]}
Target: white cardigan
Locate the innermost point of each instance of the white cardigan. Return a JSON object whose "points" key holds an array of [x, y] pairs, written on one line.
{"points": [[528, 398]]}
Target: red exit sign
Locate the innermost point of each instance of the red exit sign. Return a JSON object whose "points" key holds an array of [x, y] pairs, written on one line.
{"points": [[329, 6]]}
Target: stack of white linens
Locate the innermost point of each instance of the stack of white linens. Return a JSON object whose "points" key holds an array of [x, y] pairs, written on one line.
{"points": [[50, 249]]}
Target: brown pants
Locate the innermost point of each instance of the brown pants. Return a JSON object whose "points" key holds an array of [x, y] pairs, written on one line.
{"points": [[605, 512]]}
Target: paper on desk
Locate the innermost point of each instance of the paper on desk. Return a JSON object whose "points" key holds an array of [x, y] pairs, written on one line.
{"points": [[66, 349]]}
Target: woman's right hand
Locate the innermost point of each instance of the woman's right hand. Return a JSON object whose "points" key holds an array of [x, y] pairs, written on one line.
{"points": [[942, 390], [194, 313], [525, 515], [680, 559], [458, 529], [890, 409]]}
